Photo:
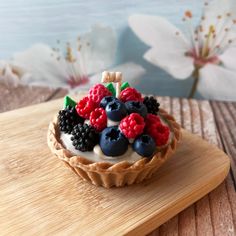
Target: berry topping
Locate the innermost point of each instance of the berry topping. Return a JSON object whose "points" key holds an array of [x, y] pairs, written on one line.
{"points": [[144, 145], [159, 132], [98, 119], [130, 94], [84, 137], [116, 110], [98, 92], [68, 118], [106, 100], [136, 107], [132, 125], [84, 107], [113, 142], [152, 119], [151, 104]]}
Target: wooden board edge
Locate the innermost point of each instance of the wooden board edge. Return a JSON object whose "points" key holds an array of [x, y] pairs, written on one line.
{"points": [[158, 219]]}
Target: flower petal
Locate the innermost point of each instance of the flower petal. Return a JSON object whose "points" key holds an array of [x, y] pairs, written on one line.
{"points": [[98, 48], [11, 74], [157, 32], [219, 8], [44, 68], [228, 58], [175, 63], [169, 45], [131, 73], [216, 82], [95, 52], [220, 14]]}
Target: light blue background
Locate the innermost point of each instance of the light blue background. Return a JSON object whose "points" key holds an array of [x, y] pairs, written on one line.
{"points": [[25, 22]]}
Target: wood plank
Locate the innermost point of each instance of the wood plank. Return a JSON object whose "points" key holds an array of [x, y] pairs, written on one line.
{"points": [[171, 226], [45, 94], [187, 222], [154, 233], [176, 109], [195, 117], [222, 220], [29, 182], [225, 131], [203, 217], [230, 149], [208, 122], [58, 94], [232, 197], [165, 103], [228, 131], [16, 97], [202, 207]]}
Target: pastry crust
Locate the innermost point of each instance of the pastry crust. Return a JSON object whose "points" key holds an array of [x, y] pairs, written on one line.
{"points": [[107, 174]]}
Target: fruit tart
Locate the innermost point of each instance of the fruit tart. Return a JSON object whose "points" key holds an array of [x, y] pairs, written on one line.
{"points": [[114, 136]]}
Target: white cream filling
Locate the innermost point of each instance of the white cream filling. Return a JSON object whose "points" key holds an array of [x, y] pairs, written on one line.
{"points": [[98, 156], [109, 123], [112, 123]]}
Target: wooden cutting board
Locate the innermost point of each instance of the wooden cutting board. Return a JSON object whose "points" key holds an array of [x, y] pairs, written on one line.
{"points": [[40, 196]]}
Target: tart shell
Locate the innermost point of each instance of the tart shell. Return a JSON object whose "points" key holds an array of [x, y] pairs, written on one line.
{"points": [[107, 174]]}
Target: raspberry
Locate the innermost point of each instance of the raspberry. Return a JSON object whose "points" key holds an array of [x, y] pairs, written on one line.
{"points": [[130, 94], [132, 125], [159, 132], [84, 107], [98, 92], [152, 119], [98, 119]]}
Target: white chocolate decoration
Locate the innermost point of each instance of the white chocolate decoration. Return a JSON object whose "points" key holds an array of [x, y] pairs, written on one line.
{"points": [[113, 77]]}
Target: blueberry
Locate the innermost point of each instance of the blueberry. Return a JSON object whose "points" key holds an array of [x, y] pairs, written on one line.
{"points": [[106, 100], [113, 142], [116, 110], [136, 107], [144, 145]]}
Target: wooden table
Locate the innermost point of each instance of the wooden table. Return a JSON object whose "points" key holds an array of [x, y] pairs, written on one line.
{"points": [[214, 214]]}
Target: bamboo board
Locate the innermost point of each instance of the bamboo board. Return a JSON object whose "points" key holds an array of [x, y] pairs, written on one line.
{"points": [[40, 196]]}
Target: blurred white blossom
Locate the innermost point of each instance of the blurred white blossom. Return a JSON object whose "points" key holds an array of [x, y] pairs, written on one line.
{"points": [[12, 74], [79, 66], [207, 53], [68, 64]]}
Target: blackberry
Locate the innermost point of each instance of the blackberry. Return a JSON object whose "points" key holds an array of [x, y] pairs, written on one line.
{"points": [[68, 118], [84, 137], [151, 104]]}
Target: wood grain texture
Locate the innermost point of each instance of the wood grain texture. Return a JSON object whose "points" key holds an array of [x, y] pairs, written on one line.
{"points": [[208, 220], [202, 207], [225, 120], [204, 214], [187, 217], [21, 96], [39, 195]]}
